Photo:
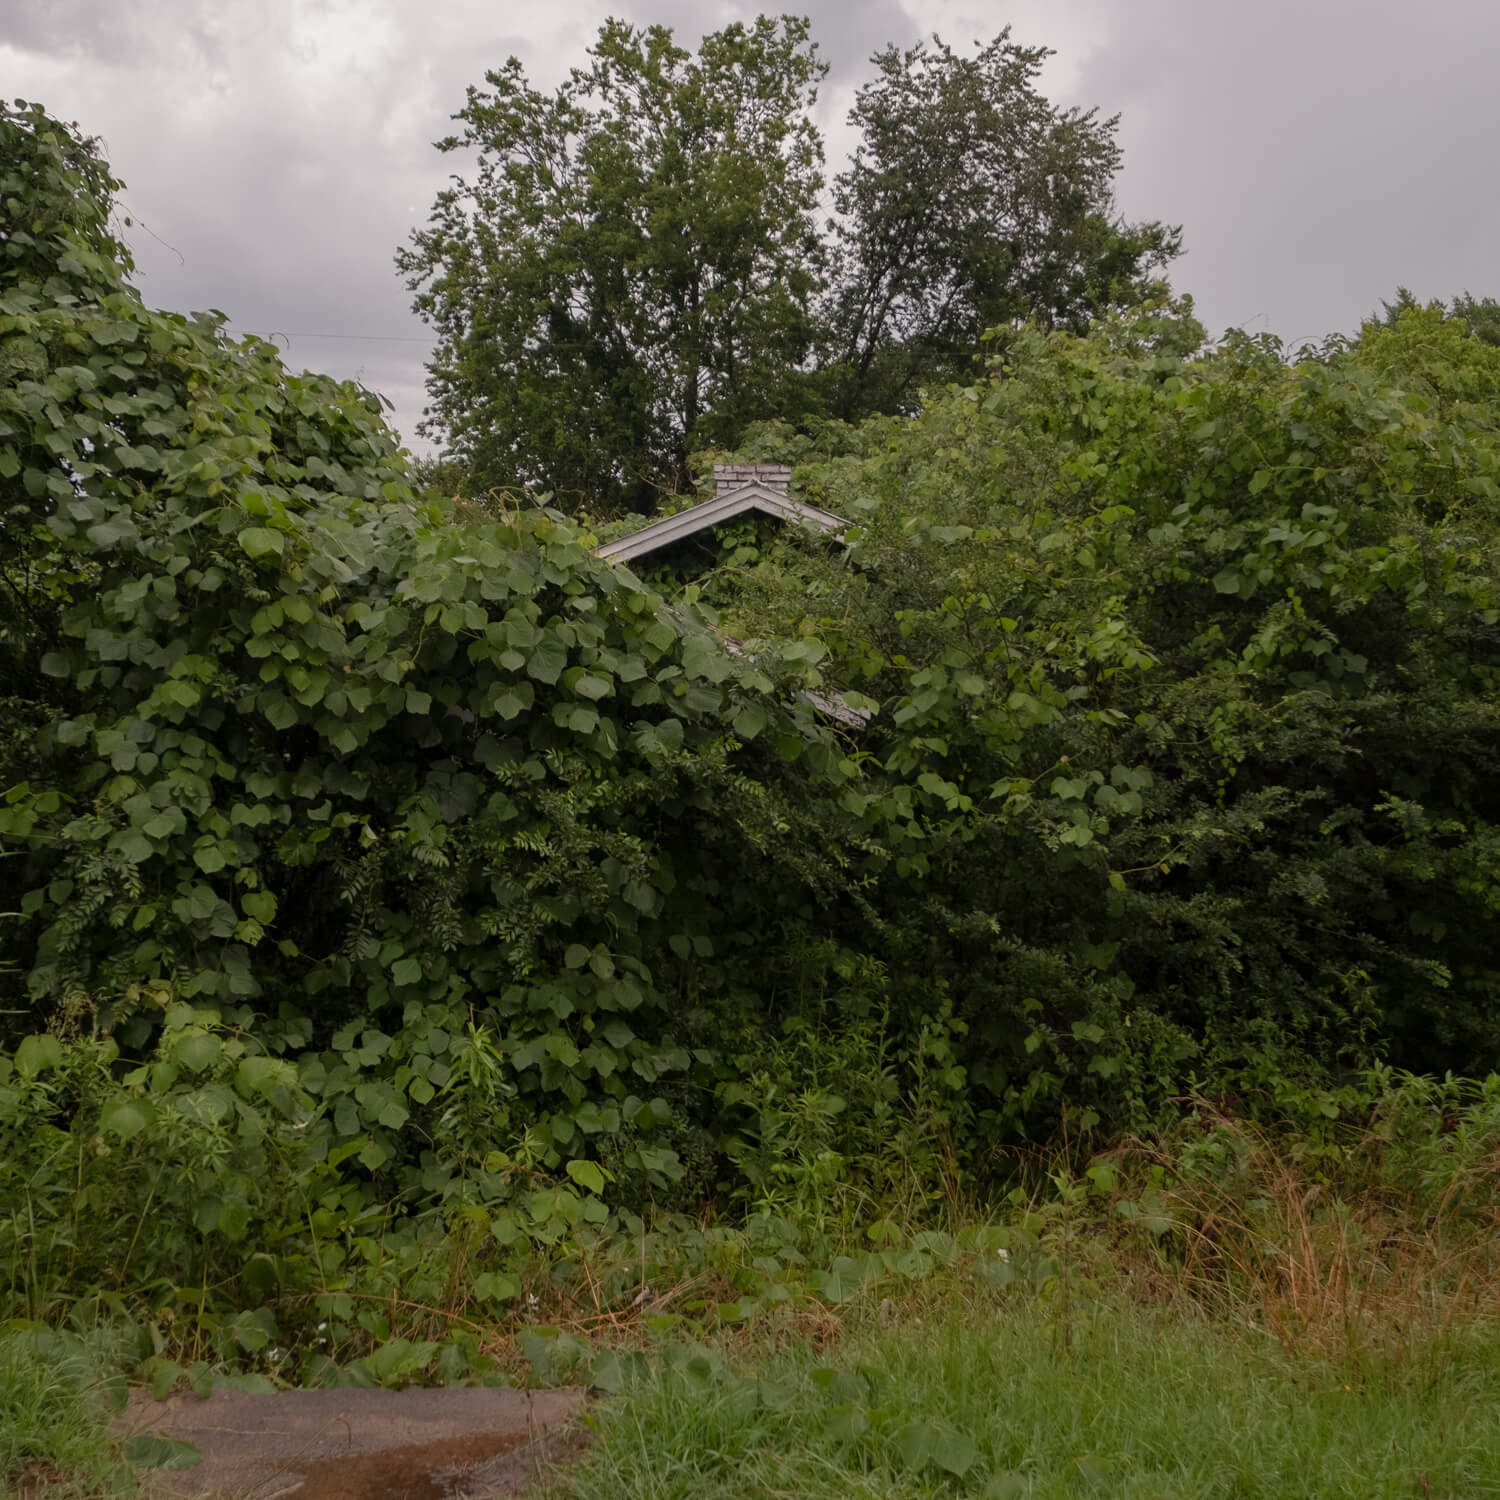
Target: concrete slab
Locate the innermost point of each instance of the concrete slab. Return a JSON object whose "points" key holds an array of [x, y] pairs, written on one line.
{"points": [[470, 1444]]}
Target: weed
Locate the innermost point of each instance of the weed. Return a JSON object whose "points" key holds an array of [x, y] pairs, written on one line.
{"points": [[970, 1395], [54, 1414], [1371, 1248]]}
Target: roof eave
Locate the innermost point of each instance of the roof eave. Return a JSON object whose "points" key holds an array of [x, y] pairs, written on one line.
{"points": [[715, 512]]}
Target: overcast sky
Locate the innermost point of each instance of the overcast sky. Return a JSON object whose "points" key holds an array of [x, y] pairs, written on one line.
{"points": [[1317, 152]]}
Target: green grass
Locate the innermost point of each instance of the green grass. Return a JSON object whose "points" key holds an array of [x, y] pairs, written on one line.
{"points": [[995, 1399], [53, 1420]]}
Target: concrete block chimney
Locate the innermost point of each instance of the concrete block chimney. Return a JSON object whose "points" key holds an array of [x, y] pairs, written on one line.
{"points": [[729, 477]]}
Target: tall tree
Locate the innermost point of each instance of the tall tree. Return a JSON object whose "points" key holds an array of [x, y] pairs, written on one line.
{"points": [[972, 202], [634, 264], [1480, 315]]}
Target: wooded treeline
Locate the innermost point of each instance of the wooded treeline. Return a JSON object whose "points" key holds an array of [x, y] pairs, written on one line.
{"points": [[649, 258]]}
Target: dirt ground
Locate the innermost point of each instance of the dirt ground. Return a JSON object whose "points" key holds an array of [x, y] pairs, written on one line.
{"points": [[362, 1444]]}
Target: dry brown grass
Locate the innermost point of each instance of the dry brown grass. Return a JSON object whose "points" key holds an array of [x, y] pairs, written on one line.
{"points": [[1363, 1269]]}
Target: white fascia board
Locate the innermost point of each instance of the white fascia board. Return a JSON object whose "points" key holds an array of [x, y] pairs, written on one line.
{"points": [[716, 512], [833, 704], [837, 707]]}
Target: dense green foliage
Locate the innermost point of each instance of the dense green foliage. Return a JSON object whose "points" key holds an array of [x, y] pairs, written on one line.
{"points": [[634, 269], [397, 904], [1480, 315], [1186, 756], [361, 862], [449, 814]]}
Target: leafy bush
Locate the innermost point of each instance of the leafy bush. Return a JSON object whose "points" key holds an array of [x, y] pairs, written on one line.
{"points": [[384, 849], [1186, 761]]}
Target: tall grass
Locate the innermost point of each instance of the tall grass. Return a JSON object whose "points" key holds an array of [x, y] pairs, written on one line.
{"points": [[1368, 1247], [53, 1418], [988, 1400], [1231, 1310]]}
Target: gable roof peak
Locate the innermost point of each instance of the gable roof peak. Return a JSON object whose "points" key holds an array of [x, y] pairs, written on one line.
{"points": [[731, 501]]}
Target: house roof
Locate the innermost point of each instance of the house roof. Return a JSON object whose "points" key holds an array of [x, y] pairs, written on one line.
{"points": [[753, 495], [741, 488], [831, 703]]}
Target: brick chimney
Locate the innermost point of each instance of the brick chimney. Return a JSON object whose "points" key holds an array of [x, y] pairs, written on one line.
{"points": [[729, 477]]}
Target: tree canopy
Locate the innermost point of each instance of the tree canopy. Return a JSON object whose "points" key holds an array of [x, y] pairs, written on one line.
{"points": [[635, 269], [972, 203], [1479, 315], [634, 262]]}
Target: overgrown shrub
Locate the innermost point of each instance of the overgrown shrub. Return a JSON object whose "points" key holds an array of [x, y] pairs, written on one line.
{"points": [[1185, 770], [398, 857], [466, 834]]}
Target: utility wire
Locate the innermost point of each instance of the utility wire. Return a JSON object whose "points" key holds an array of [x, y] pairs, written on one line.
{"points": [[373, 338]]}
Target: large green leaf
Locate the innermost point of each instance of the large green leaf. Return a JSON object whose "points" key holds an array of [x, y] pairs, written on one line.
{"points": [[260, 541]]}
